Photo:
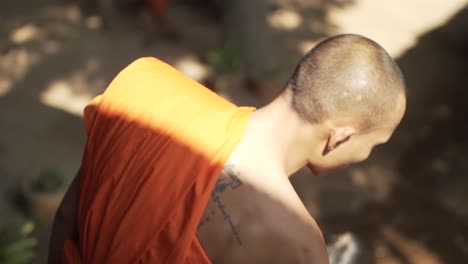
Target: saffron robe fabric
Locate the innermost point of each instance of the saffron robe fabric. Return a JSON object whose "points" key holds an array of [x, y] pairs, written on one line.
{"points": [[157, 141]]}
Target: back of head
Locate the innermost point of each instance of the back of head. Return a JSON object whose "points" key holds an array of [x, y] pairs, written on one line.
{"points": [[346, 76]]}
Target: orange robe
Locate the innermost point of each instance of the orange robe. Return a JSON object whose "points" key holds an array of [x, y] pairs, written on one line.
{"points": [[157, 142]]}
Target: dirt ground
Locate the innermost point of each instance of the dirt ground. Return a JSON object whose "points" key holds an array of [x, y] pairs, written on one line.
{"points": [[407, 203]]}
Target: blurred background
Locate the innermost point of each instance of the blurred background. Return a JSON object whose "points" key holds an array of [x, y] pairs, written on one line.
{"points": [[407, 204]]}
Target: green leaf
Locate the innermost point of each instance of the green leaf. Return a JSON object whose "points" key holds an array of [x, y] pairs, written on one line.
{"points": [[23, 258], [49, 180], [15, 232], [20, 246]]}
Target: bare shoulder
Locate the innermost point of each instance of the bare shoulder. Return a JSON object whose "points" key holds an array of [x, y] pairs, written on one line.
{"points": [[248, 223], [293, 234]]}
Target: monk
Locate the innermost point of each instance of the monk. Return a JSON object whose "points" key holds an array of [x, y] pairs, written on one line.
{"points": [[172, 173]]}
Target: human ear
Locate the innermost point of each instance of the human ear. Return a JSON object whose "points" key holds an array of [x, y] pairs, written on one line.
{"points": [[337, 137]]}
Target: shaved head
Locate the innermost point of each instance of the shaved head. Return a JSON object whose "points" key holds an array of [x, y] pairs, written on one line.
{"points": [[347, 76]]}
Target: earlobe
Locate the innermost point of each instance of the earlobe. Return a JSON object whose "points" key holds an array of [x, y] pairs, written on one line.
{"points": [[337, 137]]}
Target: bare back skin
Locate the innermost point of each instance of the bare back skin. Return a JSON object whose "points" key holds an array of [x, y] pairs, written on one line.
{"points": [[250, 221]]}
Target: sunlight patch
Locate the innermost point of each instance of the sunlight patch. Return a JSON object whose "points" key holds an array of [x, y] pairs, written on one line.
{"points": [[193, 68], [73, 14], [285, 19], [93, 22], [25, 34], [73, 92], [393, 24], [5, 86], [51, 47], [306, 45], [14, 66], [60, 95]]}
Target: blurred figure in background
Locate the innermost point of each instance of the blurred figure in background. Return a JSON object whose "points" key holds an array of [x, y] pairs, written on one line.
{"points": [[151, 14]]}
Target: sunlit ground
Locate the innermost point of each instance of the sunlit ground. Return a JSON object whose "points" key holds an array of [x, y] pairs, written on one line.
{"points": [[396, 24]]}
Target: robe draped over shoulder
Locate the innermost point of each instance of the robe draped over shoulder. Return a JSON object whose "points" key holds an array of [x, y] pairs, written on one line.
{"points": [[157, 142]]}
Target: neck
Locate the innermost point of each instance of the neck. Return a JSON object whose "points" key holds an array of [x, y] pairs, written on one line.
{"points": [[275, 140]]}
